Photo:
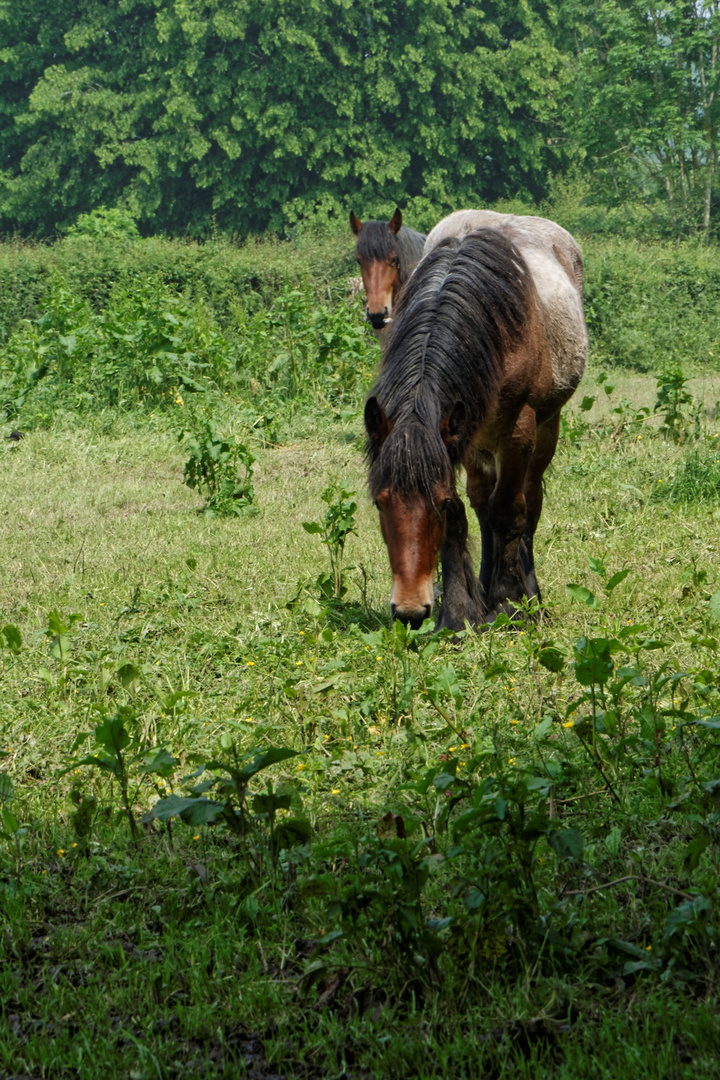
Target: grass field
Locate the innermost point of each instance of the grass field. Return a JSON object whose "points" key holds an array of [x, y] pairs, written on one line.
{"points": [[497, 858]]}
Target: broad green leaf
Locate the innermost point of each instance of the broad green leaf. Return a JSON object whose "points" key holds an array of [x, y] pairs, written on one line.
{"points": [[582, 595], [593, 660], [269, 804], [264, 760], [552, 658], [688, 915], [129, 676], [714, 607], [474, 898], [616, 579], [9, 820], [543, 729], [162, 764], [10, 638], [567, 843], [192, 811], [292, 831], [112, 735]]}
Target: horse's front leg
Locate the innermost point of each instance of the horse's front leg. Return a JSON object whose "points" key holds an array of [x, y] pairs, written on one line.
{"points": [[459, 590], [481, 480], [545, 446], [507, 514]]}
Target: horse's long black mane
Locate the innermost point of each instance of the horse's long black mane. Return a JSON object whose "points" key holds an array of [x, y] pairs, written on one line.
{"points": [[377, 242], [466, 304]]}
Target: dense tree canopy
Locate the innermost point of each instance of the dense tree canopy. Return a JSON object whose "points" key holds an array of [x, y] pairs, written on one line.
{"points": [[253, 114], [257, 110]]}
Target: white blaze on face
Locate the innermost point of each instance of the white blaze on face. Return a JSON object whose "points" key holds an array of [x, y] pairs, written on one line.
{"points": [[412, 599], [379, 279], [413, 533]]}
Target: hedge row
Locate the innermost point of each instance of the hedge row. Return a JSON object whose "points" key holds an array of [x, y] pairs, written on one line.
{"points": [[222, 273], [647, 305]]}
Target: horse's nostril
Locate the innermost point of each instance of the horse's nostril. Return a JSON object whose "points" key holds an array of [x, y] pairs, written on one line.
{"points": [[413, 619], [377, 319]]}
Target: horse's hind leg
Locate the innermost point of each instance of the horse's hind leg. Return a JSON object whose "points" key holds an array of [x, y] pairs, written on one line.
{"points": [[459, 591], [545, 446]]}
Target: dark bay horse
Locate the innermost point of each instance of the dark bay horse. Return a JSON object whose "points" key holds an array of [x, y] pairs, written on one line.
{"points": [[487, 344], [388, 252]]}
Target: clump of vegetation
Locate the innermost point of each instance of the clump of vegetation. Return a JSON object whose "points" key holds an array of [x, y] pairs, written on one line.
{"points": [[334, 529], [105, 224], [680, 412], [218, 467], [697, 479], [150, 347]]}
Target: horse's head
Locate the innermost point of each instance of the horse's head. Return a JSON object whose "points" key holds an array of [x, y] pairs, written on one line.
{"points": [[378, 255], [413, 497]]}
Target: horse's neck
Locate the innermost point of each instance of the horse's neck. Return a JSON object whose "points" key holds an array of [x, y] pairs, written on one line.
{"points": [[411, 245]]}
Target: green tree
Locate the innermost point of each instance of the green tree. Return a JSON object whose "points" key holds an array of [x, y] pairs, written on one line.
{"points": [[647, 113], [261, 111]]}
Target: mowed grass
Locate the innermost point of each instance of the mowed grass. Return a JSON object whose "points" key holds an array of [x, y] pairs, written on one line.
{"points": [[195, 952]]}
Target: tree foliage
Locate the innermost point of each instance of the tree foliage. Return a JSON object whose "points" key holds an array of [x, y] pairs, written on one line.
{"points": [[260, 112], [646, 109], [243, 116]]}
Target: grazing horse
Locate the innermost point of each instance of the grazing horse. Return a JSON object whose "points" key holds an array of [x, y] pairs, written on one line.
{"points": [[488, 342], [388, 253]]}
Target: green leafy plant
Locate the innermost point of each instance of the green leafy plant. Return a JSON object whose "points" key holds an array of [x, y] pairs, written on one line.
{"points": [[584, 595], [681, 417], [11, 639], [334, 529], [627, 418], [218, 467], [231, 804], [122, 754]]}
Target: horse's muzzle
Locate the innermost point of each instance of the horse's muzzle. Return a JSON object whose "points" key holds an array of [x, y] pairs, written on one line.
{"points": [[377, 319], [412, 618]]}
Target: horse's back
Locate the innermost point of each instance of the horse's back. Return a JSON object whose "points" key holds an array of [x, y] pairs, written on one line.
{"points": [[525, 232], [555, 262]]}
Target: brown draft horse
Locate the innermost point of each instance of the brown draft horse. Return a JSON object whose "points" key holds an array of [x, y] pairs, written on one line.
{"points": [[488, 342], [388, 252]]}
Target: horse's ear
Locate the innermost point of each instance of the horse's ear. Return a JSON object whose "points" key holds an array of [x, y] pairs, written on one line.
{"points": [[452, 427], [377, 424], [355, 223], [395, 222]]}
